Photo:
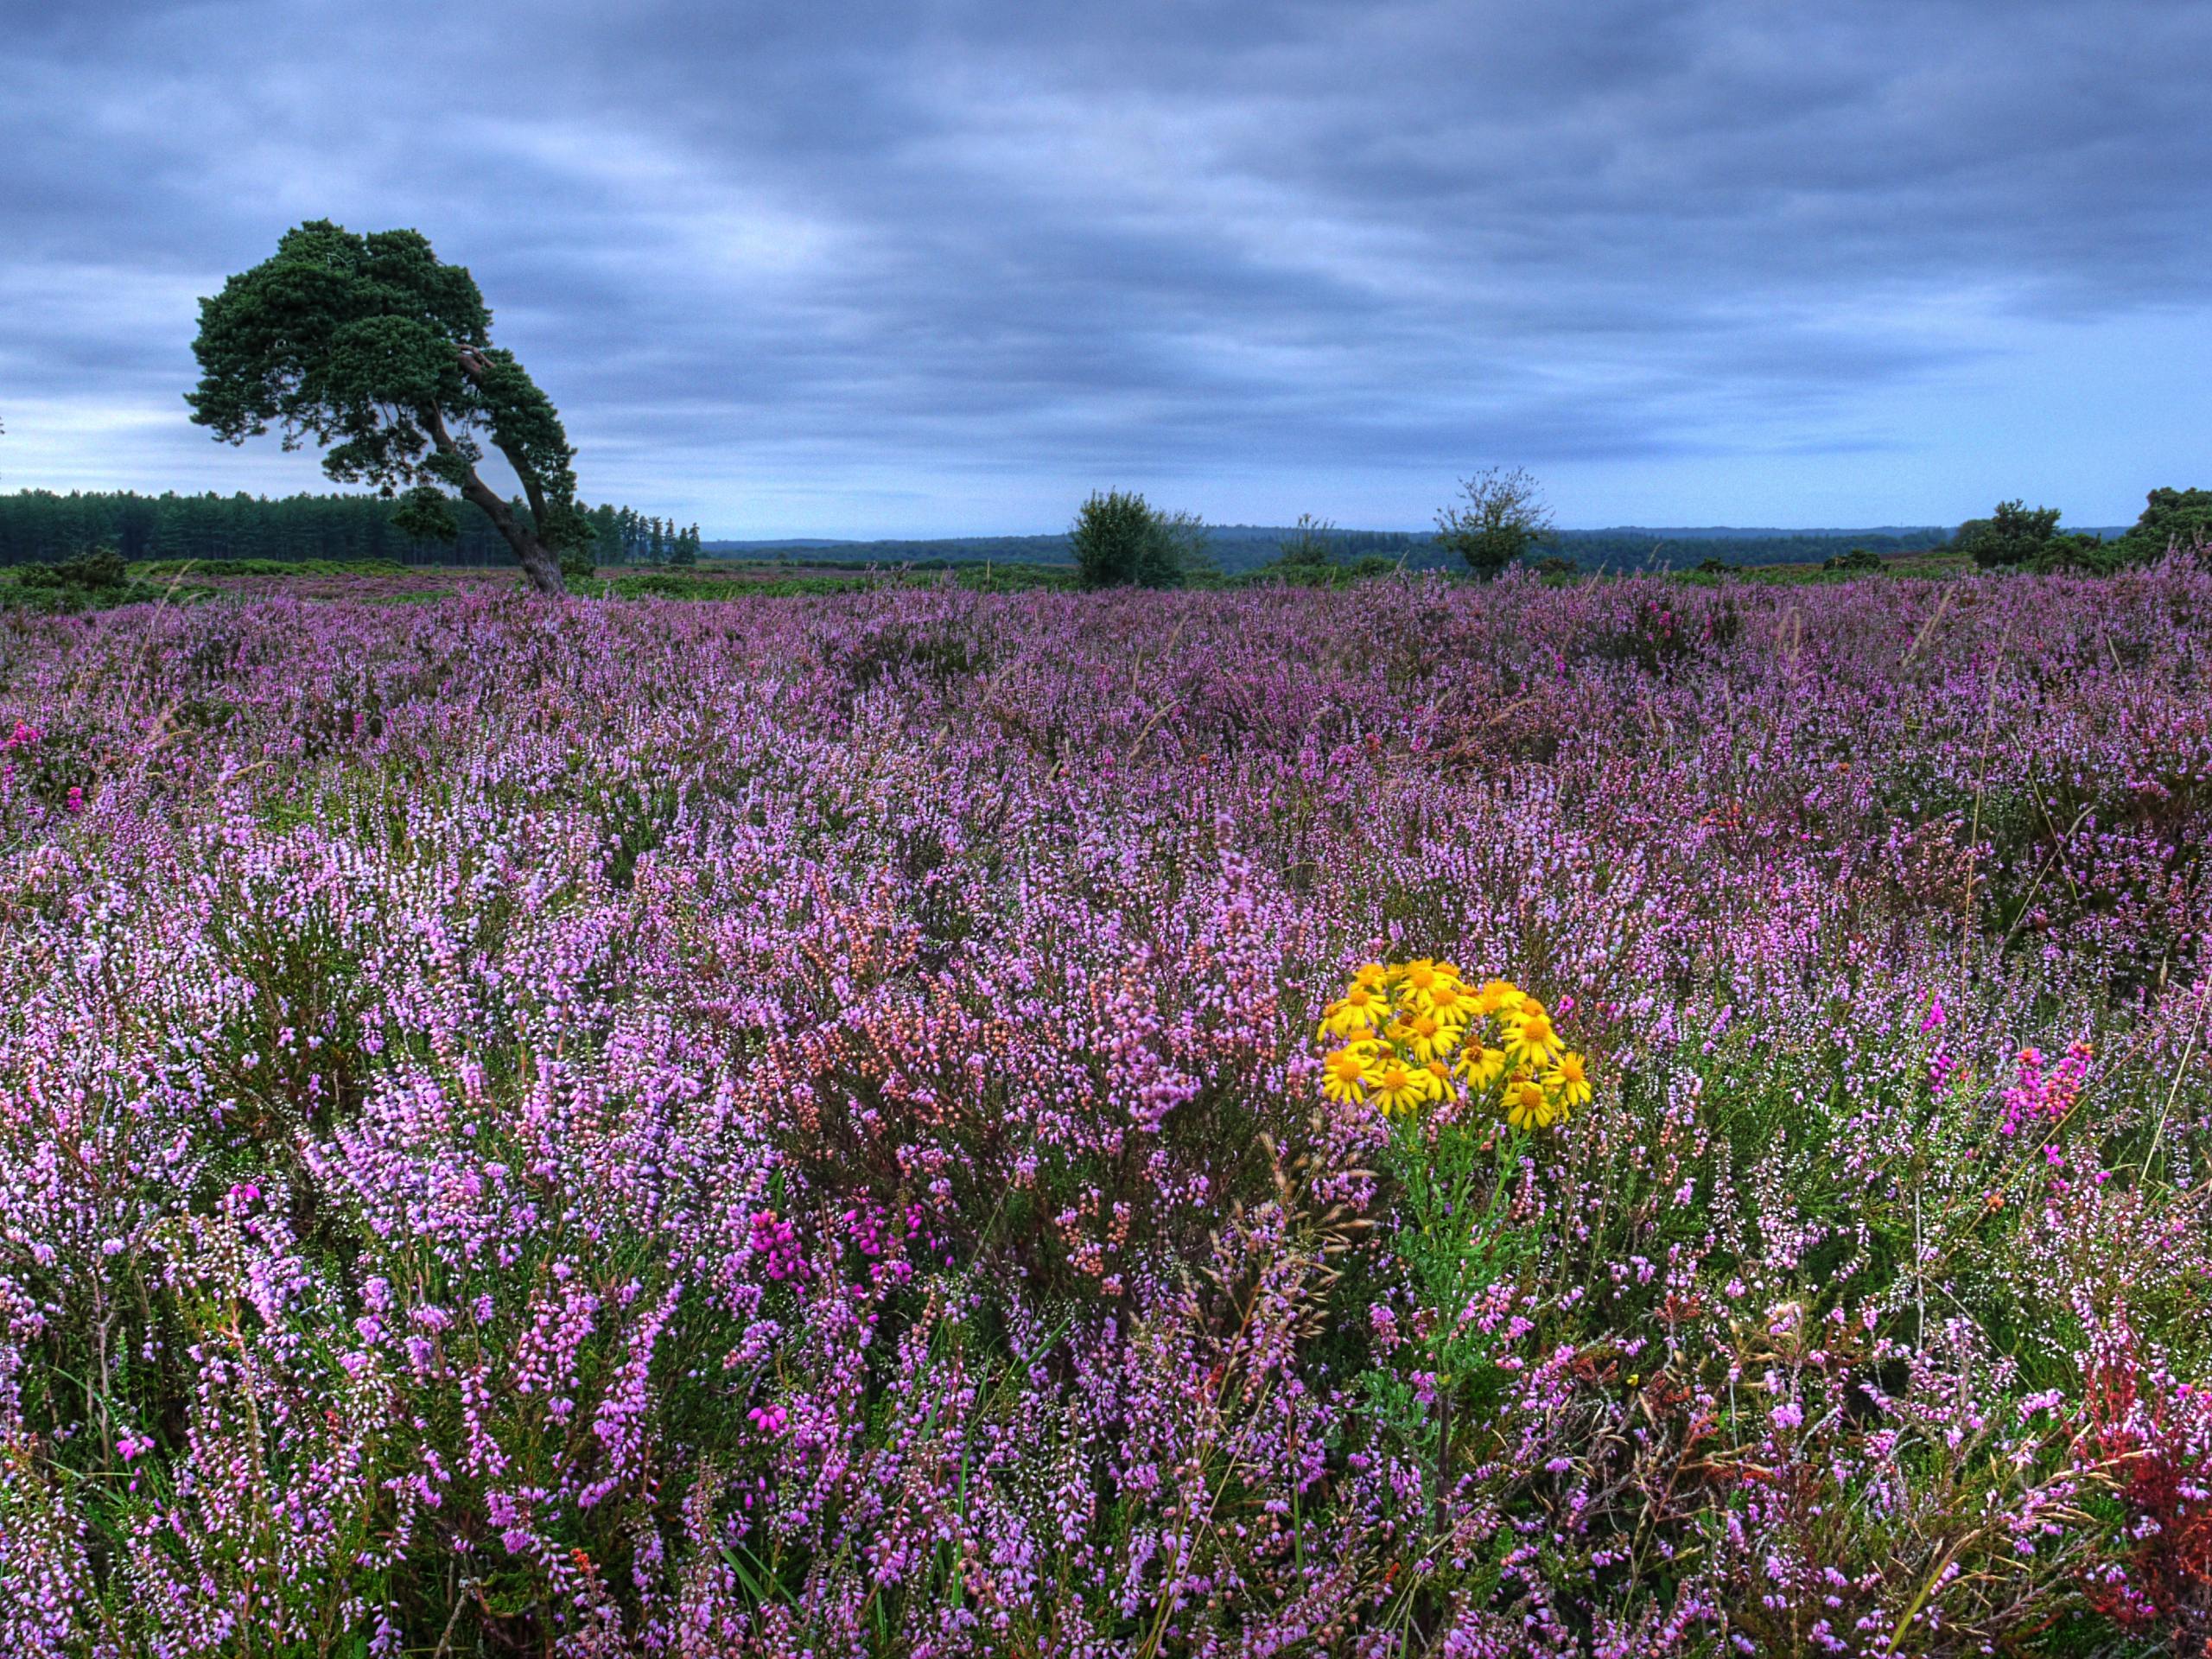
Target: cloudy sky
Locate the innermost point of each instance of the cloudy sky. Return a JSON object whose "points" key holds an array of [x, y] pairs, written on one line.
{"points": [[851, 269]]}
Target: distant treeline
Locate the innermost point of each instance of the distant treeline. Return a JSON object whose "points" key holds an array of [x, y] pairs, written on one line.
{"points": [[40, 527], [1238, 548], [1232, 547], [1630, 549]]}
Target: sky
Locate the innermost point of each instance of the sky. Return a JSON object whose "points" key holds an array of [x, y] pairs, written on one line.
{"points": [[919, 269]]}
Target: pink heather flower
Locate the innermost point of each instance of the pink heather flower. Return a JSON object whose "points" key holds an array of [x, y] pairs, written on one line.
{"points": [[1933, 1019], [76, 802]]}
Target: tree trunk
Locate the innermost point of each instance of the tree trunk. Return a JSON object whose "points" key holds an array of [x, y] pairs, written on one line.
{"points": [[539, 562]]}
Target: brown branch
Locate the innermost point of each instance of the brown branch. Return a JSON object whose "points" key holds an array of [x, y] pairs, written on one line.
{"points": [[474, 365], [537, 562]]}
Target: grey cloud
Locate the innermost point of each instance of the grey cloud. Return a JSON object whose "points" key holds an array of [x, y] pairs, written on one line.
{"points": [[877, 248]]}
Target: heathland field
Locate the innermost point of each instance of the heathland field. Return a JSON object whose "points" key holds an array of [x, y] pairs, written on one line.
{"points": [[1630, 1119]]}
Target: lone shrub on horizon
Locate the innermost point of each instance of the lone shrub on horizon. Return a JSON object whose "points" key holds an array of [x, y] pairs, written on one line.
{"points": [[1501, 517], [1312, 544], [1859, 559], [1120, 540]]}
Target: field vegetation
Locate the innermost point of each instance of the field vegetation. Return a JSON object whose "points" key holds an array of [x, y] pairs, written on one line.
{"points": [[933, 1122]]}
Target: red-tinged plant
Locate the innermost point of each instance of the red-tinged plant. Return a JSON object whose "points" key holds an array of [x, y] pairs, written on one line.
{"points": [[2152, 1437]]}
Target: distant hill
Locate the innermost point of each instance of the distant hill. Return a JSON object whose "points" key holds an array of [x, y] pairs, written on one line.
{"points": [[1238, 548]]}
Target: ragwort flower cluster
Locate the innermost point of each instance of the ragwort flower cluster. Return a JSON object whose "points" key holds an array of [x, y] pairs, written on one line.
{"points": [[1410, 1034]]}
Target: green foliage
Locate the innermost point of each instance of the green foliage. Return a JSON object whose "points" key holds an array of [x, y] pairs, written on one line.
{"points": [[1502, 518], [98, 570], [269, 567], [2081, 552], [1859, 559], [658, 584], [94, 579], [2171, 518], [1366, 568], [95, 582], [1310, 543], [2013, 535], [1119, 540], [375, 350], [577, 565], [1456, 1244], [425, 514], [772, 581]]}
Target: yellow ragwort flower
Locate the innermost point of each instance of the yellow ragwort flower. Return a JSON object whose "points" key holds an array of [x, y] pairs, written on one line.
{"points": [[1427, 1038], [1420, 980], [1497, 996], [1402, 1088], [1530, 1039], [1526, 1105], [1356, 1013], [1346, 1074], [1452, 1003], [1403, 1032], [1481, 1066], [1569, 1080]]}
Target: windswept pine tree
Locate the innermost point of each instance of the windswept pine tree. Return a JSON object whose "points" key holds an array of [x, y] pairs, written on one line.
{"points": [[376, 350]]}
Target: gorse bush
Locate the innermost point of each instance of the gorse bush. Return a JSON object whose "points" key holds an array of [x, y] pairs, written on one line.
{"points": [[917, 1121], [1859, 559], [101, 569], [92, 580]]}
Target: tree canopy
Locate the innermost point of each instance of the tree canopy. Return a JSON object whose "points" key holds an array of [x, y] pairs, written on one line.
{"points": [[374, 349]]}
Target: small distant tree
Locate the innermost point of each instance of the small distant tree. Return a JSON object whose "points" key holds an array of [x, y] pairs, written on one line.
{"points": [[376, 350], [684, 550], [606, 534], [1500, 516], [1312, 544], [2014, 534], [1119, 540]]}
